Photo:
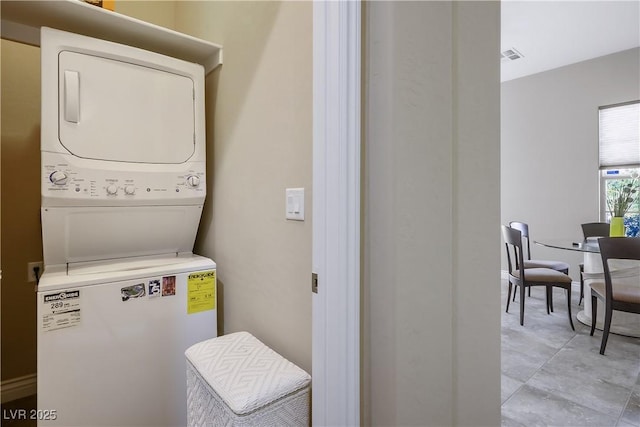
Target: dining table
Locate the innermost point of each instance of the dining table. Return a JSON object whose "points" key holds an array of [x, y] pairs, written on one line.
{"points": [[627, 271]]}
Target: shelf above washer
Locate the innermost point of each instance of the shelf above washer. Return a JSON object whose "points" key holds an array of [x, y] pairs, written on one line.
{"points": [[21, 22]]}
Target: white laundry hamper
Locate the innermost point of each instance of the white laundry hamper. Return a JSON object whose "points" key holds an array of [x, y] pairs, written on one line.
{"points": [[236, 380]]}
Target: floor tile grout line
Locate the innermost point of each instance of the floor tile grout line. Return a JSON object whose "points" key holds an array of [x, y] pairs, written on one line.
{"points": [[575, 335], [624, 407], [614, 417], [557, 397], [562, 398], [538, 370]]}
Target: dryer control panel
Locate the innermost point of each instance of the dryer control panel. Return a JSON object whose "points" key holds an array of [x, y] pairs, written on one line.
{"points": [[64, 179]]}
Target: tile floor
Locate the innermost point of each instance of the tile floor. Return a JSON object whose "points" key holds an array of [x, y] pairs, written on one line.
{"points": [[553, 376]]}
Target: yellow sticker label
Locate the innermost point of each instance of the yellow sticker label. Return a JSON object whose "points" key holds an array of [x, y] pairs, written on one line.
{"points": [[201, 291]]}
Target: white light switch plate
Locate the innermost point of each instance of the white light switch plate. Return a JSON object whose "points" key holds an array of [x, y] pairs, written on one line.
{"points": [[294, 204]]}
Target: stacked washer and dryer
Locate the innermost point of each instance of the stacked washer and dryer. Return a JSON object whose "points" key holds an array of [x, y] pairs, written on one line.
{"points": [[122, 295]]}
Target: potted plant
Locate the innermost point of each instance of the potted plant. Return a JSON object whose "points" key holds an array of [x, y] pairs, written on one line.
{"points": [[620, 197]]}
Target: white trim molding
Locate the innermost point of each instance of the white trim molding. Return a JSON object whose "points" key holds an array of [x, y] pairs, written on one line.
{"points": [[336, 212], [17, 388]]}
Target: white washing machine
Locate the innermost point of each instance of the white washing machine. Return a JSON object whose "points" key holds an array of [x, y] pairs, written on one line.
{"points": [[111, 340], [122, 295]]}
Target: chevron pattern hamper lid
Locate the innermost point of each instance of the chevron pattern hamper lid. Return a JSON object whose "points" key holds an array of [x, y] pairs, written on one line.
{"points": [[244, 372]]}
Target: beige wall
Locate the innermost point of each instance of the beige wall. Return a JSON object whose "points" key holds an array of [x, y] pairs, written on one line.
{"points": [[20, 192], [156, 12], [20, 229], [432, 208], [259, 141]]}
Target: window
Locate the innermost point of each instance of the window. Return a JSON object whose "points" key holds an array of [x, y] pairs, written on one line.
{"points": [[620, 161]]}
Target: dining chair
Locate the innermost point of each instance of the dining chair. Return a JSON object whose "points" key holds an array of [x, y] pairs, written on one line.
{"points": [[591, 229], [624, 295], [560, 266], [533, 276]]}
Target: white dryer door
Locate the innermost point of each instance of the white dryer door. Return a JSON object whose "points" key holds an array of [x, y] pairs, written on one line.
{"points": [[115, 110]]}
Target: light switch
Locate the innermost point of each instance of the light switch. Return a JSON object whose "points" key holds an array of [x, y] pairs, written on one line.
{"points": [[295, 204]]}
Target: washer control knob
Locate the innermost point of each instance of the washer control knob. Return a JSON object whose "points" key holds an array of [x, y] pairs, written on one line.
{"points": [[58, 178], [193, 181], [112, 189], [129, 190]]}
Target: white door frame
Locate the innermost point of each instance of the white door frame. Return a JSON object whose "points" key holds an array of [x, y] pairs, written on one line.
{"points": [[336, 213]]}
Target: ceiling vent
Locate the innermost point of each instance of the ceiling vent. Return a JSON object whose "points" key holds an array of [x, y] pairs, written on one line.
{"points": [[510, 55]]}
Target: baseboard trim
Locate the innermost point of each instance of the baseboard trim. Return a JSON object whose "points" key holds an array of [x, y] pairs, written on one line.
{"points": [[17, 388]]}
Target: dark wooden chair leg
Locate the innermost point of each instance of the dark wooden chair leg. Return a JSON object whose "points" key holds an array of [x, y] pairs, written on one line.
{"points": [[605, 331], [520, 290], [546, 296], [569, 306], [581, 284], [594, 313], [509, 297], [521, 306]]}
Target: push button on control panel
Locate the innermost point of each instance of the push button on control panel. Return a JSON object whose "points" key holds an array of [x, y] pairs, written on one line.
{"points": [[58, 178]]}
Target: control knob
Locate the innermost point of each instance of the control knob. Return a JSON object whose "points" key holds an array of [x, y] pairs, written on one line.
{"points": [[58, 178], [129, 190], [112, 189], [193, 181]]}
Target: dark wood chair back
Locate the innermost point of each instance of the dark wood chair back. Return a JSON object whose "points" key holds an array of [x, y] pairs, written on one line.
{"points": [[513, 244], [628, 299], [524, 233], [617, 248], [595, 229]]}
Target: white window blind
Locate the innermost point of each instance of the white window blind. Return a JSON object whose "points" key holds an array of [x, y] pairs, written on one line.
{"points": [[620, 135]]}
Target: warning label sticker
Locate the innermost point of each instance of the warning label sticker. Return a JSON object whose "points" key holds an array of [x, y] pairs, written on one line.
{"points": [[201, 291], [60, 310]]}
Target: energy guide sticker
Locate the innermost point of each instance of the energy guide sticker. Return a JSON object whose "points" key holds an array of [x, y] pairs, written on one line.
{"points": [[60, 310], [201, 291]]}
